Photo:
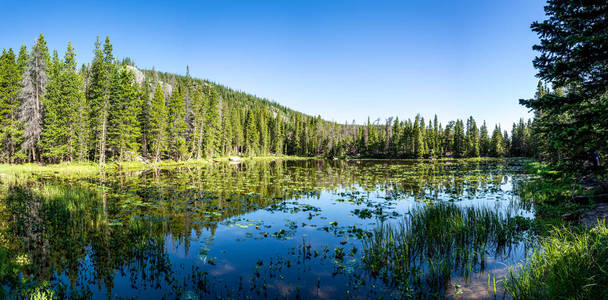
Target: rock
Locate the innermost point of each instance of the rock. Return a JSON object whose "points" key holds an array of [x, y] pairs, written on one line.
{"points": [[235, 159], [598, 212], [139, 75], [2, 175]]}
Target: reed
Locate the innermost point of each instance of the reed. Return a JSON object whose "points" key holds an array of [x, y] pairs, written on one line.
{"points": [[425, 249], [568, 264]]}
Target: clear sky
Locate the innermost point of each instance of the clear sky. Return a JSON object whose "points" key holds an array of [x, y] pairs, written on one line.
{"points": [[342, 60]]}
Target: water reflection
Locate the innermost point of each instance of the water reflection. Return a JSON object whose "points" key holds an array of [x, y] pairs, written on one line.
{"points": [[258, 229]]}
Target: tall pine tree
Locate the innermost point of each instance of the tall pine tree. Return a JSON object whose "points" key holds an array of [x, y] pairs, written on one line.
{"points": [[35, 79]]}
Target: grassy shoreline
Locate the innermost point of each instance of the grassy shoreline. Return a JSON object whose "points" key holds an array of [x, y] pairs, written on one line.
{"points": [[570, 260], [91, 168]]}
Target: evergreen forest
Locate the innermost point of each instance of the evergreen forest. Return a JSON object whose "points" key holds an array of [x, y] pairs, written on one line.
{"points": [[53, 110]]}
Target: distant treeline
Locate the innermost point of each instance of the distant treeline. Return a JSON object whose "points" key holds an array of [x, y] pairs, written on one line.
{"points": [[52, 111]]}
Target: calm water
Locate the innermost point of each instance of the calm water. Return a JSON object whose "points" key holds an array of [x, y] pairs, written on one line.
{"points": [[282, 229]]}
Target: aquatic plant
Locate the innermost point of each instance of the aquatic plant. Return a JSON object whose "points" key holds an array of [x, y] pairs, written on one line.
{"points": [[418, 256], [568, 264]]}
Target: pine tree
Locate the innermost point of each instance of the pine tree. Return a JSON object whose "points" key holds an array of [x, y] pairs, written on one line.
{"points": [[199, 108], [418, 140], [22, 59], [56, 66], [262, 128], [459, 139], [144, 116], [158, 124], [277, 136], [126, 103], [81, 126], [189, 113], [177, 125], [484, 139], [472, 138], [98, 97], [212, 124], [62, 104], [10, 83], [496, 145], [237, 130], [35, 80], [573, 55], [251, 134]]}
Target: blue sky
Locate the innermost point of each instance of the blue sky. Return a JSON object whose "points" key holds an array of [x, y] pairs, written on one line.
{"points": [[342, 60]]}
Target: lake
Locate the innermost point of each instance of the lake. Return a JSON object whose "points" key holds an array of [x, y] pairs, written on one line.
{"points": [[291, 229]]}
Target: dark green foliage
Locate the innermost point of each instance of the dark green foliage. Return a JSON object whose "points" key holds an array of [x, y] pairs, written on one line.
{"points": [[158, 123], [497, 146], [251, 134], [63, 101], [212, 125], [570, 121], [98, 97], [126, 104], [10, 84], [177, 125]]}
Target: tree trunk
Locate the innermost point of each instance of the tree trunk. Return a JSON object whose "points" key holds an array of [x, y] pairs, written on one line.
{"points": [[200, 140], [102, 142]]}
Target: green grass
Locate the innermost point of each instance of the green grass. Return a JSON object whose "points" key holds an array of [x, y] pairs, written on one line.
{"points": [[568, 264], [21, 172]]}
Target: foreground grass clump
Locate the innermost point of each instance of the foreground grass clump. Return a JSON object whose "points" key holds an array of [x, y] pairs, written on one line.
{"points": [[568, 264], [419, 256]]}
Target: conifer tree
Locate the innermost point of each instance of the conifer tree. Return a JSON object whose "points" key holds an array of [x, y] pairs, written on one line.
{"points": [[277, 136], [484, 139], [22, 59], [496, 145], [81, 126], [98, 97], [55, 66], [158, 124], [262, 128], [251, 134], [126, 103], [198, 108], [226, 129], [459, 139], [212, 124], [32, 92], [63, 101], [144, 116], [472, 138], [418, 141], [572, 55], [177, 125], [10, 83], [238, 139]]}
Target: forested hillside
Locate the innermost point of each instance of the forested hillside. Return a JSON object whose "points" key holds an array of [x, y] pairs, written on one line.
{"points": [[52, 111]]}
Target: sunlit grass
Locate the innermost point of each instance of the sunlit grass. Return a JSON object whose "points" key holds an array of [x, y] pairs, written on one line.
{"points": [[12, 173], [569, 264]]}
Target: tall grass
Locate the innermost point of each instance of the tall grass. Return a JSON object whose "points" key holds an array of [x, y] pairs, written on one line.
{"points": [[568, 264], [419, 256]]}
